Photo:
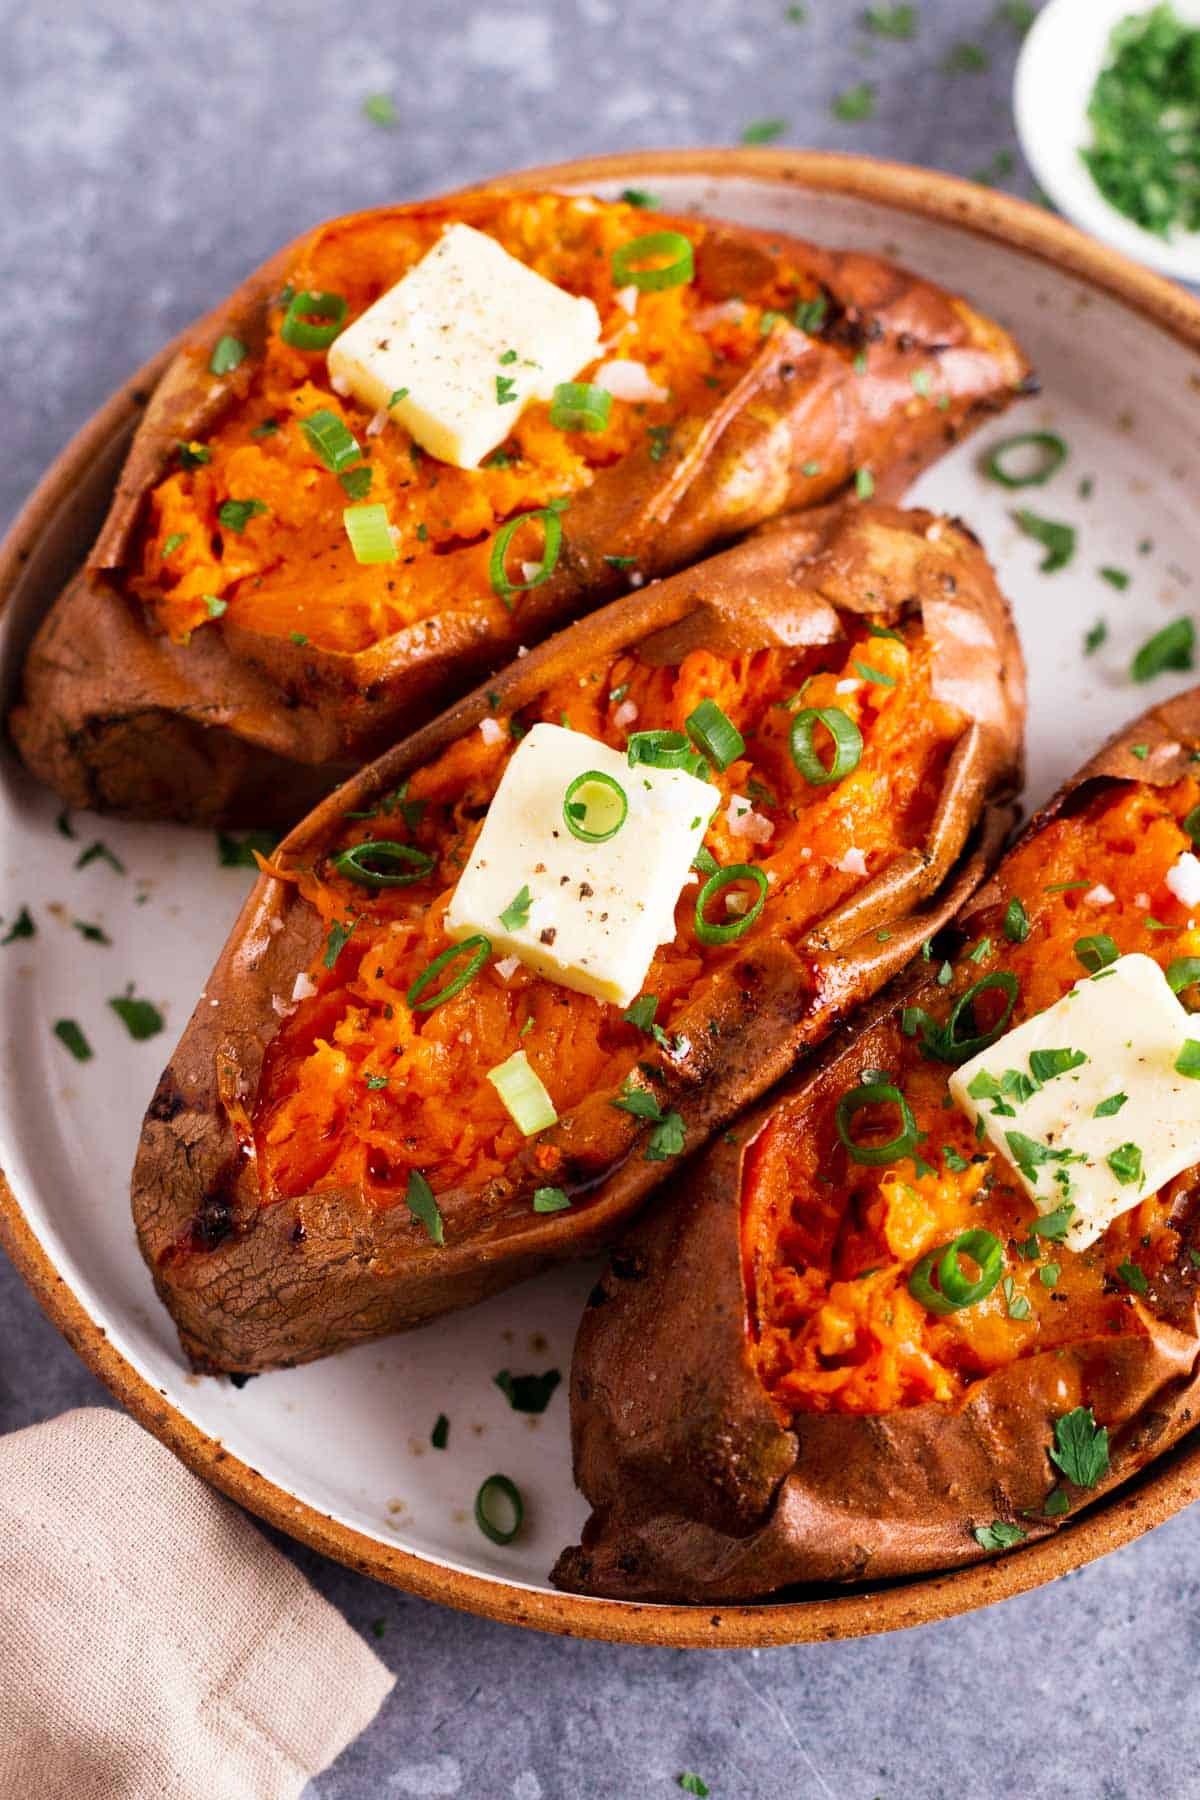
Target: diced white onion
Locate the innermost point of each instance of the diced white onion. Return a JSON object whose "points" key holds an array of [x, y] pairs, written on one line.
{"points": [[854, 862], [626, 714], [303, 988], [743, 821], [1099, 895], [491, 731], [507, 967], [627, 297], [1183, 879], [628, 380]]}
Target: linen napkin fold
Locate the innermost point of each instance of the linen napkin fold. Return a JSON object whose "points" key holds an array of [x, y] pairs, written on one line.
{"points": [[153, 1645]]}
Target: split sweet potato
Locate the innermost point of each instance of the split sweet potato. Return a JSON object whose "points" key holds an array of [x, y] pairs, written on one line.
{"points": [[311, 1104], [223, 657], [761, 1398]]}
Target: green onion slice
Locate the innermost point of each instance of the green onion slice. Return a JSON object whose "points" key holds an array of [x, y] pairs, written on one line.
{"points": [[876, 1093], [580, 406], [847, 744], [370, 533], [595, 797], [402, 864], [498, 1491], [1182, 973], [943, 1043], [1051, 451], [659, 259], [520, 1088], [502, 587], [955, 1289], [477, 948], [1096, 952], [312, 321], [725, 934], [336, 446], [662, 750], [713, 732]]}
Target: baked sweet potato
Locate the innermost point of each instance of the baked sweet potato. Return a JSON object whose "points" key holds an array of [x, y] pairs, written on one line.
{"points": [[324, 1161], [224, 657], [761, 1394]]}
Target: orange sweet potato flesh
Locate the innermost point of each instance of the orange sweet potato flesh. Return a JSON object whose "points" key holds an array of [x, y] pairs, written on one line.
{"points": [[235, 674], [271, 1186], [808, 1420]]}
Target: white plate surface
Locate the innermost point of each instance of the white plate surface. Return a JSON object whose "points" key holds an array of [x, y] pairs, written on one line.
{"points": [[350, 1436]]}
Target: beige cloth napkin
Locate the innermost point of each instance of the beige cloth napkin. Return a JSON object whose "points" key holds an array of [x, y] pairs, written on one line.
{"points": [[153, 1645]]}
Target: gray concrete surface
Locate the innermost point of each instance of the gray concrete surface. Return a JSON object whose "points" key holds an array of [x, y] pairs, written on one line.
{"points": [[150, 153]]}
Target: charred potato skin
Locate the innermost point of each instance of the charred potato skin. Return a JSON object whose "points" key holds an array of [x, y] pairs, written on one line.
{"points": [[701, 1491], [253, 1288], [239, 728]]}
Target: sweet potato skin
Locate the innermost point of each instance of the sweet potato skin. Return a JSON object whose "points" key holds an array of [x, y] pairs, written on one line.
{"points": [[252, 1287], [238, 727], [702, 1492]]}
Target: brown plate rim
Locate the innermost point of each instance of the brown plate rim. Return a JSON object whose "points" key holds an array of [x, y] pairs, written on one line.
{"points": [[1155, 1496]]}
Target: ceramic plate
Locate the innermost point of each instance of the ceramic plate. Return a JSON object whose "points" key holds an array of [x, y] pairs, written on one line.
{"points": [[339, 1452]]}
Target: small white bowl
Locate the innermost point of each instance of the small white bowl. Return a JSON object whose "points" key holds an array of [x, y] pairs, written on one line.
{"points": [[1063, 53]]}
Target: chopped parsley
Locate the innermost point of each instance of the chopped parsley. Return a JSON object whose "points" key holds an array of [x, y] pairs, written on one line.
{"points": [[1188, 1061], [516, 913], [1016, 922], [1018, 1306], [528, 1393], [240, 853], [421, 1204], [94, 934], [380, 109], [1145, 125], [1094, 637], [1118, 578], [1108, 1109], [869, 673], [641, 197], [891, 21], [855, 103], [1126, 1163], [1133, 1275], [506, 389], [689, 1782], [99, 852], [141, 1018], [21, 927], [1044, 1065], [235, 515], [335, 943], [999, 1535], [965, 58], [68, 1032], [1169, 649], [1058, 540], [764, 131], [1080, 1447], [550, 1200]]}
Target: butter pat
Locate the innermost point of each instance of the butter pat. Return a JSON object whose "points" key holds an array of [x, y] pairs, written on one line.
{"points": [[473, 336], [1131, 1028], [597, 912]]}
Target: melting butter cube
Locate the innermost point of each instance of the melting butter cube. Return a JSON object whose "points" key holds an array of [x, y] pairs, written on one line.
{"points": [[467, 339], [1110, 1129], [596, 912]]}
